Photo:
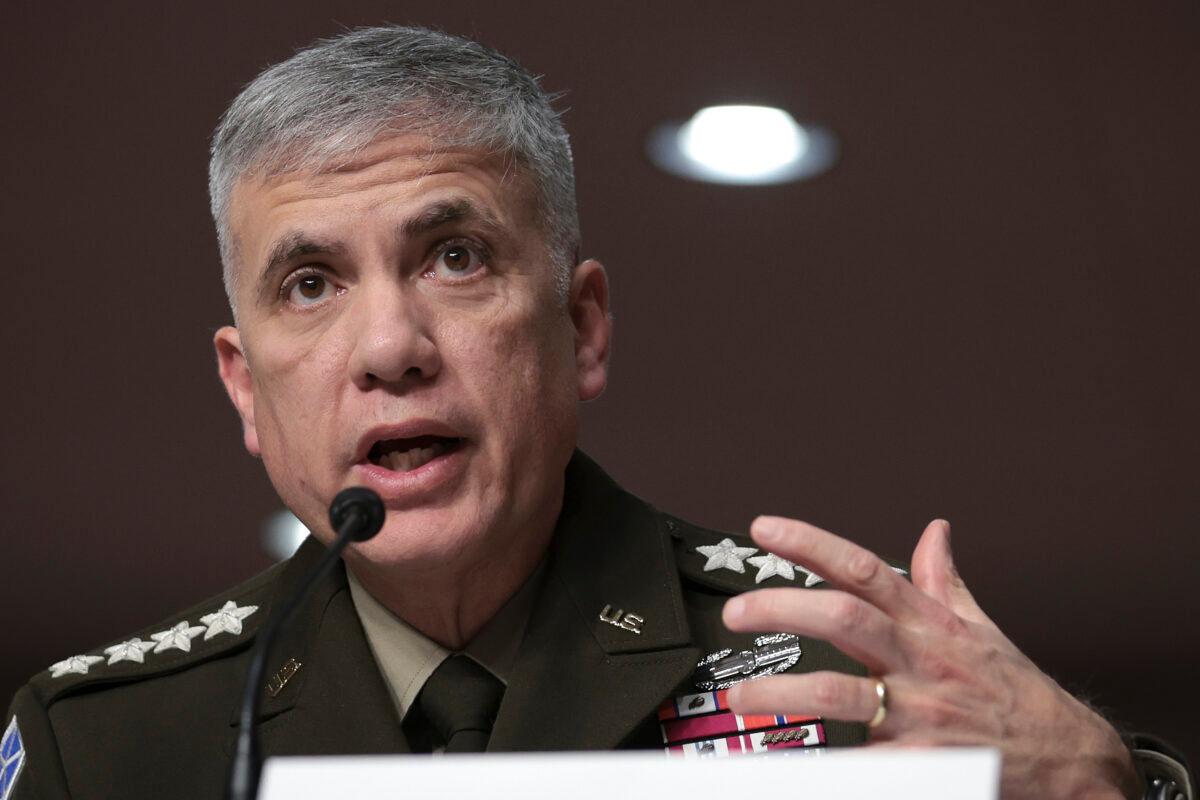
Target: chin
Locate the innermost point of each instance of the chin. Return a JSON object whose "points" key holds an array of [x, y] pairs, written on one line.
{"points": [[417, 542]]}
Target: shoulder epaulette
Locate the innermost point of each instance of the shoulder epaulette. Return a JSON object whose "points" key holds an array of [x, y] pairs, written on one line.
{"points": [[214, 627], [733, 563]]}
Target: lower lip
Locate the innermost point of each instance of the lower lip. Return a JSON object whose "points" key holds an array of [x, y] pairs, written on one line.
{"points": [[414, 487]]}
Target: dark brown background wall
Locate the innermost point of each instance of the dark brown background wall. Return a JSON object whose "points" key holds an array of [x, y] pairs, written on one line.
{"points": [[985, 312]]}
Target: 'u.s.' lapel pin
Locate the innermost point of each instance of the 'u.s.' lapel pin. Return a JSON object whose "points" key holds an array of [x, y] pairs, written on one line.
{"points": [[281, 678], [631, 622]]}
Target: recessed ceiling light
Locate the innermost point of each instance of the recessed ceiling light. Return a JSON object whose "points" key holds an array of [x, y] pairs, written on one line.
{"points": [[282, 534], [742, 144]]}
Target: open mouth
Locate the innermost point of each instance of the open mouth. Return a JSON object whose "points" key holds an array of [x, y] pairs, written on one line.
{"points": [[405, 455]]}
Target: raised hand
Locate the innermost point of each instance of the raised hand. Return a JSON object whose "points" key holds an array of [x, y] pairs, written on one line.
{"points": [[951, 676]]}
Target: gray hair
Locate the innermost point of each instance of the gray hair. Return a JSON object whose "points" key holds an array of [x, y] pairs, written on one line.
{"points": [[322, 105]]}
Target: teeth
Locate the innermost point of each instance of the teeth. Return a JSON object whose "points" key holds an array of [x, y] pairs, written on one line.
{"points": [[407, 460]]}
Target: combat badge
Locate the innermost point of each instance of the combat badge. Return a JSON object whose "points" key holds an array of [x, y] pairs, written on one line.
{"points": [[12, 759], [772, 654]]}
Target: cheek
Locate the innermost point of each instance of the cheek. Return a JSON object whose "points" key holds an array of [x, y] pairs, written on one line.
{"points": [[519, 368], [295, 391], [540, 375]]}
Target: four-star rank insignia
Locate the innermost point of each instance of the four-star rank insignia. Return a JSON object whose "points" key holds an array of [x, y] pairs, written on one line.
{"points": [[178, 637], [225, 620], [726, 554], [133, 650], [75, 665]]}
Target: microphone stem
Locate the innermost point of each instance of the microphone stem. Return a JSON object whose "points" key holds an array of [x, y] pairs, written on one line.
{"points": [[246, 768]]}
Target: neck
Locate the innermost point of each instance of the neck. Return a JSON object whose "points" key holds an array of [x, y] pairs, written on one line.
{"points": [[450, 603]]}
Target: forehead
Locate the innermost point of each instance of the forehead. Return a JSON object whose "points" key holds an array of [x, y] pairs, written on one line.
{"points": [[390, 178]]}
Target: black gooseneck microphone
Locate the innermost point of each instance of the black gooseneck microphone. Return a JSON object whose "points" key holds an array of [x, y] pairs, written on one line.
{"points": [[356, 514]]}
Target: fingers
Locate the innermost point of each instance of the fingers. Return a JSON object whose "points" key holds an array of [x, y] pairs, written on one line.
{"points": [[934, 573], [846, 566], [931, 564], [831, 695], [852, 625]]}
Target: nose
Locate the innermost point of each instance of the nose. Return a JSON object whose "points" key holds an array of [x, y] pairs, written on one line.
{"points": [[393, 346]]}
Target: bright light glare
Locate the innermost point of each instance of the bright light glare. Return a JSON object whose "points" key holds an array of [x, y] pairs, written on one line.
{"points": [[742, 144], [743, 141], [282, 534]]}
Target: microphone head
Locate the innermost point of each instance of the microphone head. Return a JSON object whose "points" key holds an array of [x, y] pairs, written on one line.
{"points": [[365, 505]]}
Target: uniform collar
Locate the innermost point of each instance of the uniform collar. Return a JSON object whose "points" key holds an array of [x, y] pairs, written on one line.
{"points": [[610, 549], [406, 657], [581, 682]]}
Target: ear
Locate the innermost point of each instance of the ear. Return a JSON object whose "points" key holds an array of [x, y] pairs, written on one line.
{"points": [[593, 327], [235, 374]]}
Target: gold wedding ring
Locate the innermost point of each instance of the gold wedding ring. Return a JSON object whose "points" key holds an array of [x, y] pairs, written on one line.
{"points": [[881, 693]]}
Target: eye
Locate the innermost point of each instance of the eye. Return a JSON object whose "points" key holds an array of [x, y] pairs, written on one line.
{"points": [[456, 261], [309, 289]]}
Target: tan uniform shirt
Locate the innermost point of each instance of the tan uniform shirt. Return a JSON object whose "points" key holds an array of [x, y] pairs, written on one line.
{"points": [[406, 657]]}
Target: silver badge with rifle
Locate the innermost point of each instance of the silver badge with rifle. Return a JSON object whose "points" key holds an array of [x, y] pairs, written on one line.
{"points": [[771, 654]]}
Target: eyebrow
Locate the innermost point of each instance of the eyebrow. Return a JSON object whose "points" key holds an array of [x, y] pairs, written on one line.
{"points": [[445, 212], [297, 244]]}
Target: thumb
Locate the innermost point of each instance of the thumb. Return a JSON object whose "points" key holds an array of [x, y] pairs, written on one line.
{"points": [[934, 573]]}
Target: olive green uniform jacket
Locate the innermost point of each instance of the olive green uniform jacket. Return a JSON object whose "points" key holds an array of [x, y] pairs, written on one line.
{"points": [[164, 726]]}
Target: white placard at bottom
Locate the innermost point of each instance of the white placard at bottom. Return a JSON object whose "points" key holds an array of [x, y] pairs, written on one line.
{"points": [[942, 774]]}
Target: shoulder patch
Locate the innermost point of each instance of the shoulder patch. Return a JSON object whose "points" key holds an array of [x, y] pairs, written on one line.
{"points": [[12, 759], [209, 629]]}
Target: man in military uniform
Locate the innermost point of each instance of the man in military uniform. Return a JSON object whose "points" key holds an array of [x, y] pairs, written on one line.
{"points": [[397, 222]]}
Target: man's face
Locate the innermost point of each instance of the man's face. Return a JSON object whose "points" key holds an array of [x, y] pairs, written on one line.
{"points": [[400, 329]]}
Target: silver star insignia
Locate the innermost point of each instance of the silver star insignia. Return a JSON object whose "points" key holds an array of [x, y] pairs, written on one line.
{"points": [[813, 578], [725, 555], [177, 638], [227, 620], [133, 650], [770, 565], [76, 664]]}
